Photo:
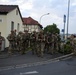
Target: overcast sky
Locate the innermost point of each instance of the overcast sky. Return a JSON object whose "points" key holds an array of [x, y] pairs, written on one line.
{"points": [[56, 8]]}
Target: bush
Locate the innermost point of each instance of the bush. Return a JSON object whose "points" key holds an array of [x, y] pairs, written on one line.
{"points": [[67, 49]]}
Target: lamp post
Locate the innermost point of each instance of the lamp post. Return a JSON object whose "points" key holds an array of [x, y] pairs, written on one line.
{"points": [[68, 17], [42, 16]]}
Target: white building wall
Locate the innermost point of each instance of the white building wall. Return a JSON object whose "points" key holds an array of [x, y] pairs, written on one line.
{"points": [[32, 28], [12, 17], [3, 25]]}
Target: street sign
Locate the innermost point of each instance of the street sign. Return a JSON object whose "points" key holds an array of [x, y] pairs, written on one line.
{"points": [[62, 30]]}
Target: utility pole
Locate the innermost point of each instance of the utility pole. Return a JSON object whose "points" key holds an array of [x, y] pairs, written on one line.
{"points": [[64, 27], [68, 17]]}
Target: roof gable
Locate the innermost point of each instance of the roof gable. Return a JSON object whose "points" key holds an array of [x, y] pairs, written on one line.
{"points": [[5, 9], [30, 21]]}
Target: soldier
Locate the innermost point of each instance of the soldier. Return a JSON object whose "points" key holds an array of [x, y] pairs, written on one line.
{"points": [[1, 38], [53, 43], [15, 42], [19, 39], [33, 42], [11, 38], [41, 44], [25, 41], [59, 42], [49, 43], [56, 43], [73, 42]]}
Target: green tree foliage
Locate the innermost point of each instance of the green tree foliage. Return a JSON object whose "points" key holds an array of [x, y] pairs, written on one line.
{"points": [[52, 28]]}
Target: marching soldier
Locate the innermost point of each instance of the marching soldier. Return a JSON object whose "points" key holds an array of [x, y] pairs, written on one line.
{"points": [[55, 42], [33, 42], [25, 42], [49, 43], [19, 43], [41, 44], [11, 38], [1, 38]]}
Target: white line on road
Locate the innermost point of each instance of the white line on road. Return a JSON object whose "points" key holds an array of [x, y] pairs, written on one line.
{"points": [[67, 58], [31, 72]]}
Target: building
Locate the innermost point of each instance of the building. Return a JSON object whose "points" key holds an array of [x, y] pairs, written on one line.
{"points": [[10, 19], [31, 25]]}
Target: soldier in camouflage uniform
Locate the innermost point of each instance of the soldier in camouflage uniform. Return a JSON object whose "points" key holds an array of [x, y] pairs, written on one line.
{"points": [[19, 41], [49, 43], [59, 42], [41, 44], [53, 43], [33, 42], [56, 43], [11, 38], [1, 38], [25, 42], [15, 42], [73, 43]]}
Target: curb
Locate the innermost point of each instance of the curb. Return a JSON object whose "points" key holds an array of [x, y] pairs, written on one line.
{"points": [[64, 56], [36, 63]]}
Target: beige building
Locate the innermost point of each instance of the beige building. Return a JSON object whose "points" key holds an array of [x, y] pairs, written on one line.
{"points": [[10, 19], [31, 25]]}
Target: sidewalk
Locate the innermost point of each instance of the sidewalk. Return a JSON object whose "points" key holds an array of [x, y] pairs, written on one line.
{"points": [[18, 59]]}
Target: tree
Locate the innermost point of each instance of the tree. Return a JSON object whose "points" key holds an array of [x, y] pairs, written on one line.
{"points": [[52, 28]]}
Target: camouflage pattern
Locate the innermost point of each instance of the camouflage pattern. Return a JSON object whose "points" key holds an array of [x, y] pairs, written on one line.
{"points": [[25, 42], [1, 38], [33, 42], [49, 43], [41, 44], [19, 40], [11, 38], [38, 42]]}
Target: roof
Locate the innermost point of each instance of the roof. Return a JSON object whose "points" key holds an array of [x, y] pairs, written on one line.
{"points": [[30, 21], [5, 9]]}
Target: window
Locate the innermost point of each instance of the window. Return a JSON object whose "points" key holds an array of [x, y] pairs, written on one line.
{"points": [[16, 12], [18, 25], [12, 25], [0, 20]]}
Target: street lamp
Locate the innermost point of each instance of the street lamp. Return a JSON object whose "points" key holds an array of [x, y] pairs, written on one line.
{"points": [[68, 17], [43, 15]]}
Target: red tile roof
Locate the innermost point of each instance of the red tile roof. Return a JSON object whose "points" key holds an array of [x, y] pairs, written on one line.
{"points": [[5, 9], [30, 21]]}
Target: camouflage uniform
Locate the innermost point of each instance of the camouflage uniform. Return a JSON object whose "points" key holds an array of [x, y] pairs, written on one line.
{"points": [[19, 44], [41, 44], [53, 43], [11, 38], [56, 43], [59, 42], [15, 42], [73, 43], [33, 42], [1, 38], [25, 42], [49, 43]]}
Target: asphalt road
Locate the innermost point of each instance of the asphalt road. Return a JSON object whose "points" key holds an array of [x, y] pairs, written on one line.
{"points": [[18, 59], [58, 67]]}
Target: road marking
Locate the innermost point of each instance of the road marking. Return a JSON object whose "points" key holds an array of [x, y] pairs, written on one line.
{"points": [[31, 72], [67, 58]]}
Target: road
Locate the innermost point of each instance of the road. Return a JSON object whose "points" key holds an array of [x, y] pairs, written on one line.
{"points": [[58, 67]]}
